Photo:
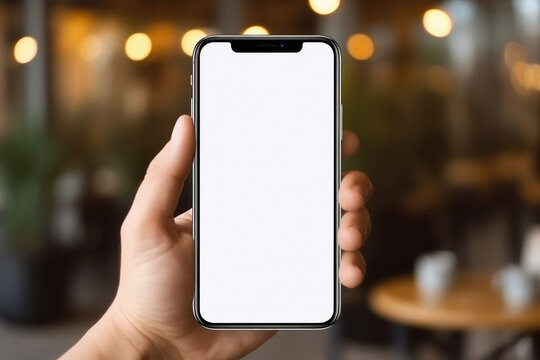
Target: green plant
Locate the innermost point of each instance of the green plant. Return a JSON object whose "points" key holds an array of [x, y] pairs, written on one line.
{"points": [[27, 158]]}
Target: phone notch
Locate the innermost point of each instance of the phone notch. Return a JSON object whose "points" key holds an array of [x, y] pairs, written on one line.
{"points": [[266, 45]]}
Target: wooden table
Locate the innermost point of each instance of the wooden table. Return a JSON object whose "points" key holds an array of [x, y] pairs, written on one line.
{"points": [[470, 304]]}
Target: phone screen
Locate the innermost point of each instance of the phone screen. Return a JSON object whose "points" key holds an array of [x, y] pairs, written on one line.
{"points": [[266, 170]]}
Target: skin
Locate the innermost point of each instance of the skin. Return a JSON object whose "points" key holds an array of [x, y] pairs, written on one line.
{"points": [[151, 316]]}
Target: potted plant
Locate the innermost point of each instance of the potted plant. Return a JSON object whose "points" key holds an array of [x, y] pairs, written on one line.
{"points": [[32, 267]]}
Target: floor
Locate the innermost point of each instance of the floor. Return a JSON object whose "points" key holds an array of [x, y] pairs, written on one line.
{"points": [[39, 342]]}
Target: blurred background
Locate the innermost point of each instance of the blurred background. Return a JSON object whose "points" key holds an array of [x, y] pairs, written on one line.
{"points": [[444, 96]]}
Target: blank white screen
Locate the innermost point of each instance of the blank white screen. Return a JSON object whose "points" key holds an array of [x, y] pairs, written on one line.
{"points": [[266, 185]]}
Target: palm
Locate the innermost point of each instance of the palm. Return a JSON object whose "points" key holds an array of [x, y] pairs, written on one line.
{"points": [[160, 280]]}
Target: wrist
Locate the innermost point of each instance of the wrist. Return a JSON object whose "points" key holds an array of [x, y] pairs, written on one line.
{"points": [[114, 336], [127, 336]]}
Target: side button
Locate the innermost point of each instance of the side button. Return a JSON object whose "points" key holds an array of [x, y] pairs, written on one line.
{"points": [[190, 79], [341, 121], [191, 101]]}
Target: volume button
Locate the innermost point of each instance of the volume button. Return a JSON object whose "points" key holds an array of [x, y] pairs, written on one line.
{"points": [[191, 101], [341, 121]]}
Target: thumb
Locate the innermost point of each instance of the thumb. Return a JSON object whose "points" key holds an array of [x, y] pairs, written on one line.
{"points": [[158, 194]]}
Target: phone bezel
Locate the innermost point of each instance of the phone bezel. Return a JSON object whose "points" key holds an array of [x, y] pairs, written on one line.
{"points": [[268, 39]]}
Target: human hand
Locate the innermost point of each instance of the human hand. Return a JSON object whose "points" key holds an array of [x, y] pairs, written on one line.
{"points": [[151, 315]]}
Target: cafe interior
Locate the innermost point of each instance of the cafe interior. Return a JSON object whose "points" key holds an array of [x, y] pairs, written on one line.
{"points": [[444, 96]]}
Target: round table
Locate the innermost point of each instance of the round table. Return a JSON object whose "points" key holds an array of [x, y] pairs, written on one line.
{"points": [[471, 303]]}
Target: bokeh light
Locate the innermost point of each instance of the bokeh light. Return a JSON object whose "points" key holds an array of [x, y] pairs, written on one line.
{"points": [[91, 48], [526, 76], [255, 30], [437, 22], [190, 39], [324, 7], [360, 46], [25, 49], [138, 46]]}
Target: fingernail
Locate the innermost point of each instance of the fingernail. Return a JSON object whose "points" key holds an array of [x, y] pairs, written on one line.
{"points": [[177, 130]]}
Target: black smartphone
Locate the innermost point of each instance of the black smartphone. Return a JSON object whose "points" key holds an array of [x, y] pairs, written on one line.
{"points": [[267, 115]]}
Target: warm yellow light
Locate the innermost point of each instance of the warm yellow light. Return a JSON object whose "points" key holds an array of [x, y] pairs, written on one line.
{"points": [[90, 48], [535, 70], [190, 39], [255, 30], [360, 46], [138, 46], [526, 76], [25, 49], [536, 76], [324, 7], [437, 22]]}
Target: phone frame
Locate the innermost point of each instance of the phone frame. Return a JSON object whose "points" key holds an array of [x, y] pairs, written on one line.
{"points": [[250, 42]]}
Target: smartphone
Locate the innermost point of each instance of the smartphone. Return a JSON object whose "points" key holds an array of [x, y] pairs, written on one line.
{"points": [[266, 176]]}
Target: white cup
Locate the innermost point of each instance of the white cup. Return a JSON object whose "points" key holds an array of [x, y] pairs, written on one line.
{"points": [[519, 288], [530, 255], [434, 274]]}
